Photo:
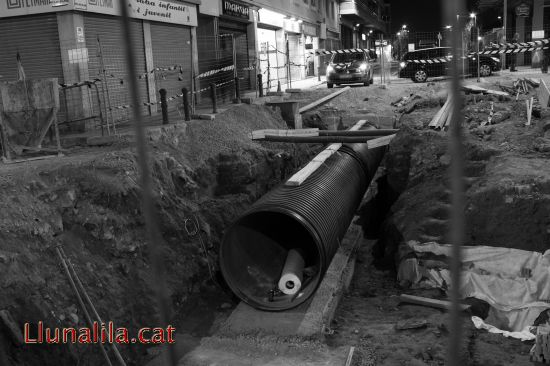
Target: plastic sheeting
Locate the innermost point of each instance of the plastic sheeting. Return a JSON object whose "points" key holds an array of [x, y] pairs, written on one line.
{"points": [[516, 283]]}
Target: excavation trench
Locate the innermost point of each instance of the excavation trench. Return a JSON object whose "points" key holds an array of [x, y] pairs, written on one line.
{"points": [[311, 218]]}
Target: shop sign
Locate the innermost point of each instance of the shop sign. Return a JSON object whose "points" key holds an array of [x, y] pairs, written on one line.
{"points": [[523, 10], [235, 9], [309, 29], [157, 10], [10, 8], [537, 34]]}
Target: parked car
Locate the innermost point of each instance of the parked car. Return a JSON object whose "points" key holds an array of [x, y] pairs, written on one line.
{"points": [[420, 72], [350, 68]]}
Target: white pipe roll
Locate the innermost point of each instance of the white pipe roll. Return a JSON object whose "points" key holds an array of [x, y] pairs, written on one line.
{"points": [[292, 274]]}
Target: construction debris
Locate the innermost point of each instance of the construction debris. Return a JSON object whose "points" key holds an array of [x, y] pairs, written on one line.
{"points": [[406, 104], [424, 301], [443, 116], [474, 89], [529, 104], [411, 324], [541, 349]]}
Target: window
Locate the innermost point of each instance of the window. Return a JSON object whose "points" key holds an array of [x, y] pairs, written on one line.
{"points": [[306, 2], [348, 57], [313, 3], [327, 8]]}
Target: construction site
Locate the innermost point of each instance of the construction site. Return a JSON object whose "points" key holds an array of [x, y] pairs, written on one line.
{"points": [[276, 222]]}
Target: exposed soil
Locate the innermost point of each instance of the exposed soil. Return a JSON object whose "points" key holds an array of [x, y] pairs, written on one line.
{"points": [[204, 175], [507, 205]]}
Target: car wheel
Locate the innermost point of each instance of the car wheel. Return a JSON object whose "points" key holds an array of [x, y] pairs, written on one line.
{"points": [[485, 70], [372, 79], [420, 76], [330, 85]]}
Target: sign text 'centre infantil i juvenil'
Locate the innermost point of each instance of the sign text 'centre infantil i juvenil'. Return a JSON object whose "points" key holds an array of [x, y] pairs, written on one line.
{"points": [[158, 10], [235, 9]]}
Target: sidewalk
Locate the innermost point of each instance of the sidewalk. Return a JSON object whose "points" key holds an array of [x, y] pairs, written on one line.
{"points": [[309, 83]]}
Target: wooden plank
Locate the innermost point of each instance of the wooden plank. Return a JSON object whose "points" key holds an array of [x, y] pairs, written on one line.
{"points": [[445, 115], [299, 178], [30, 159], [433, 303], [543, 94], [260, 134], [381, 141], [434, 122], [350, 356], [358, 125], [496, 92], [474, 89], [323, 100]]}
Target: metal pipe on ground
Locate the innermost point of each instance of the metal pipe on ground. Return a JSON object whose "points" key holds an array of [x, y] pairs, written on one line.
{"points": [[318, 139], [311, 219], [358, 133]]}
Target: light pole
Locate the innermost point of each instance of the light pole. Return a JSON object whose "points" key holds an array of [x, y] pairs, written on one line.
{"points": [[474, 16]]}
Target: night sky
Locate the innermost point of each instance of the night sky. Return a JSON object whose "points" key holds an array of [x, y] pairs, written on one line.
{"points": [[419, 15]]}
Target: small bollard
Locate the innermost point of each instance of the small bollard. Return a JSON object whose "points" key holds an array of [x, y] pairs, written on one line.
{"points": [[214, 98], [186, 104], [260, 85], [237, 90], [163, 106], [279, 86]]}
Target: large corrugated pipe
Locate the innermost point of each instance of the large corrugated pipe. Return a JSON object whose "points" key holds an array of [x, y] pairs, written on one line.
{"points": [[311, 218]]}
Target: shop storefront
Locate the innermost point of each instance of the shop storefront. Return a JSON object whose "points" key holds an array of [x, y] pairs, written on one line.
{"points": [[311, 34], [234, 20], [271, 46], [83, 41]]}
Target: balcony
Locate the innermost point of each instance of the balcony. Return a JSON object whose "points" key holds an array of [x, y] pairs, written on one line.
{"points": [[361, 12]]}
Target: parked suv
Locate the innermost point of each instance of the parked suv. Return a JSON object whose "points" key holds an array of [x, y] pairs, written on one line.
{"points": [[349, 68], [420, 72]]}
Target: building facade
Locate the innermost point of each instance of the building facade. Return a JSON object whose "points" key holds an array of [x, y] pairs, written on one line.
{"points": [[177, 44]]}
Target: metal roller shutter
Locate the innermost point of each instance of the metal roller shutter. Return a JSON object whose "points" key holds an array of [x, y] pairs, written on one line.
{"points": [[171, 45], [109, 31], [238, 30], [36, 38]]}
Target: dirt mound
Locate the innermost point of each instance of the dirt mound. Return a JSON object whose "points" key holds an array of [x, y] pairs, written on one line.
{"points": [[227, 133]]}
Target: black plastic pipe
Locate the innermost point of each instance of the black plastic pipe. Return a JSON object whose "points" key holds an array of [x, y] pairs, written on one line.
{"points": [[312, 218]]}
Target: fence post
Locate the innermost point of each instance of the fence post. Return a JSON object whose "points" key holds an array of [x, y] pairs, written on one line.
{"points": [[288, 65], [186, 113], [260, 85], [237, 90], [213, 97], [163, 106]]}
